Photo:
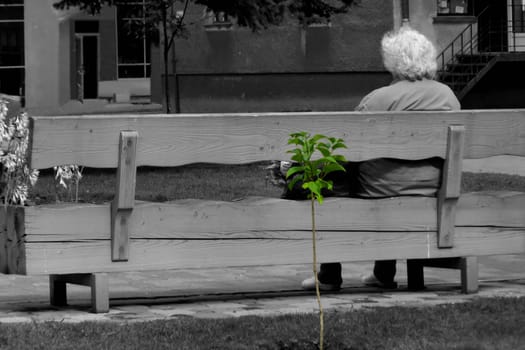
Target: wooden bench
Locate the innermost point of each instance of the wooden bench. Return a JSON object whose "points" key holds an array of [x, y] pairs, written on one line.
{"points": [[81, 243]]}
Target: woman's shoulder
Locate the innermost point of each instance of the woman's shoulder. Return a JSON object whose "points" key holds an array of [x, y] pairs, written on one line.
{"points": [[374, 100]]}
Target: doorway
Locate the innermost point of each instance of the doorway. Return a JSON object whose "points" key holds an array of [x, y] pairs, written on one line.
{"points": [[87, 65], [516, 27]]}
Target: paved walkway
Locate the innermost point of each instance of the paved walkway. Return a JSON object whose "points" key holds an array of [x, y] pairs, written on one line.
{"points": [[216, 293]]}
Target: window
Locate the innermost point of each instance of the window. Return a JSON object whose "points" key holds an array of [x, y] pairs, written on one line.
{"points": [[518, 16], [133, 46], [453, 7], [12, 46], [216, 20]]}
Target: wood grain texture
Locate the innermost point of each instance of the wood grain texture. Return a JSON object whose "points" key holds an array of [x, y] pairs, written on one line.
{"points": [[122, 205], [126, 170], [3, 241], [171, 140], [95, 256], [451, 185], [16, 257], [469, 274], [268, 217], [196, 233], [99, 292], [453, 167]]}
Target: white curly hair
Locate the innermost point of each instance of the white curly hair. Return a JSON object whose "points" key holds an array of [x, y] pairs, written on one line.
{"points": [[408, 54]]}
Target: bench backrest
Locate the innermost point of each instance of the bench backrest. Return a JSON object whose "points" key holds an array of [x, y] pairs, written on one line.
{"points": [[171, 140], [271, 229]]}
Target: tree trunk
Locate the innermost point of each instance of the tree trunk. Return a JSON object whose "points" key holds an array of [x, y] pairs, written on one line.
{"points": [[165, 52], [176, 80]]}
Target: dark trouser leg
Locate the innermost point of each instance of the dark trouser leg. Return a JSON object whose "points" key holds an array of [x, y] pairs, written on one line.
{"points": [[330, 273], [385, 270]]}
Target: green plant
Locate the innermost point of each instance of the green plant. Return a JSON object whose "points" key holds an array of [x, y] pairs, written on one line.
{"points": [[16, 176], [312, 172], [67, 176]]}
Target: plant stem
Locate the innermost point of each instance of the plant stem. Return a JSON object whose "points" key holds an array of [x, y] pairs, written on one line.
{"points": [[317, 291]]}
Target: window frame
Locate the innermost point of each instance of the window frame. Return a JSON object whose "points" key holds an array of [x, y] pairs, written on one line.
{"points": [[450, 13], [146, 57], [16, 67]]}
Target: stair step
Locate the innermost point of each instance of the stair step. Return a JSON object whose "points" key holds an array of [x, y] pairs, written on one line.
{"points": [[467, 64], [456, 74], [477, 58], [465, 68], [460, 80], [456, 81]]}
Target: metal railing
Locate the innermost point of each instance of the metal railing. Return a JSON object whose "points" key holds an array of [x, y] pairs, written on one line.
{"points": [[465, 42], [478, 47], [487, 35]]}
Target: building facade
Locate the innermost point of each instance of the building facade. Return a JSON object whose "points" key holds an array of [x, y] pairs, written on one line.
{"points": [[56, 58]]}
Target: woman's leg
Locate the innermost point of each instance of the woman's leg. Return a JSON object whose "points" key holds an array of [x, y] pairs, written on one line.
{"points": [[330, 273]]}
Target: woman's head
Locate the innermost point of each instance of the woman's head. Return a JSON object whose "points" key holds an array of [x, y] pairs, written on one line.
{"points": [[408, 54]]}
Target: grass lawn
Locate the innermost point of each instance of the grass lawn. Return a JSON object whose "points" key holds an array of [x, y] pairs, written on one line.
{"points": [[164, 184], [211, 182], [492, 323]]}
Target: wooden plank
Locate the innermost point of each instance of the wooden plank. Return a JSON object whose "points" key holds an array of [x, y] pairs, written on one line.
{"points": [[268, 217], [491, 208], [16, 258], [451, 186], [511, 165], [94, 256], [127, 170], [171, 140], [447, 263], [81, 279], [3, 240], [122, 205]]}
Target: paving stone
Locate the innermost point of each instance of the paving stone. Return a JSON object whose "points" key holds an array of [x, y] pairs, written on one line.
{"points": [[236, 292]]}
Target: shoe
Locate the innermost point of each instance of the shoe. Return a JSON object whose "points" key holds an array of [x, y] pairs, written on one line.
{"points": [[372, 281], [309, 284]]}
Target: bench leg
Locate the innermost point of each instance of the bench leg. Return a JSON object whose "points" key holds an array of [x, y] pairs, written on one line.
{"points": [[98, 282], [468, 267], [99, 293], [57, 291], [469, 274], [415, 275]]}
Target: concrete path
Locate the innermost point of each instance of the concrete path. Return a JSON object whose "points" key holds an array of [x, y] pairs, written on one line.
{"points": [[216, 293]]}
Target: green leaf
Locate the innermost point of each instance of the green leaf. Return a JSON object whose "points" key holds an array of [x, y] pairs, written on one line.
{"points": [[329, 159], [317, 137], [315, 189], [294, 142], [340, 158], [295, 180], [330, 168], [312, 172], [324, 149], [294, 170]]}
